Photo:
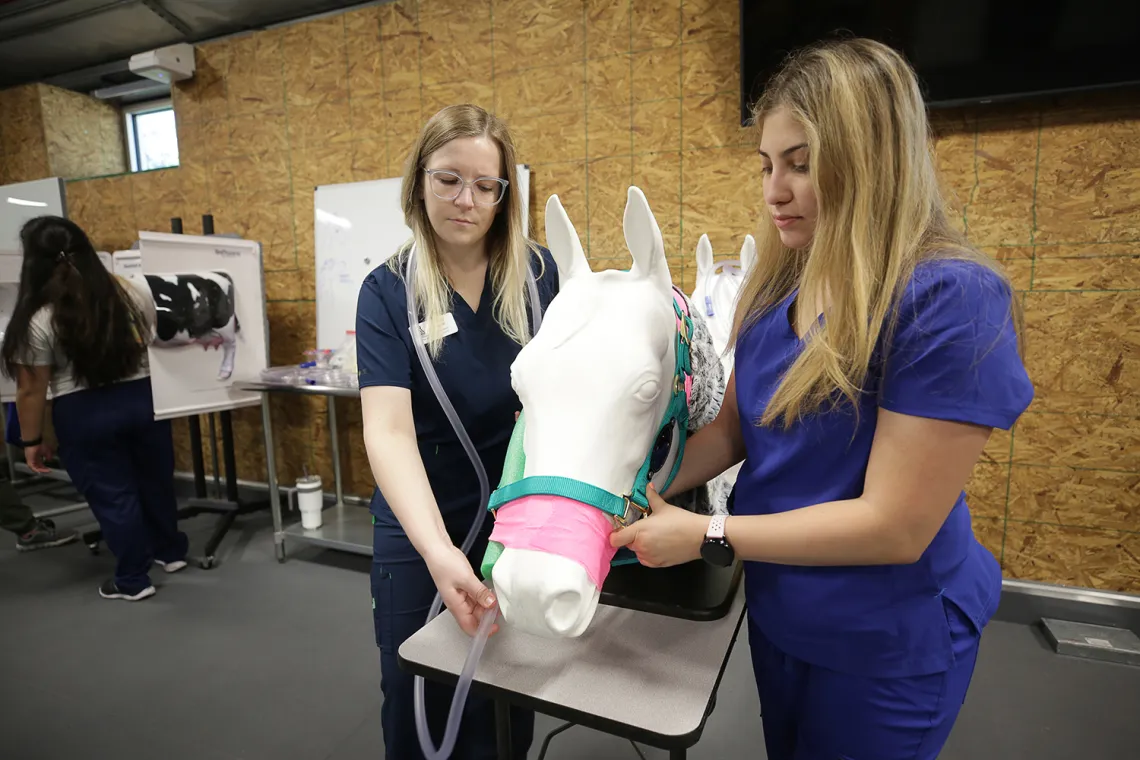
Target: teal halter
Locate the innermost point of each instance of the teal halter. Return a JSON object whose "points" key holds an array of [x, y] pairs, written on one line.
{"points": [[624, 508]]}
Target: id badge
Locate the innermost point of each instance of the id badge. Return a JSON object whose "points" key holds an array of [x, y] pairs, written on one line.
{"points": [[449, 327]]}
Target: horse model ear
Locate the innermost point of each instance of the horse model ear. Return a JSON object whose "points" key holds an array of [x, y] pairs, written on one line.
{"points": [[704, 256], [565, 246], [643, 238], [748, 254]]}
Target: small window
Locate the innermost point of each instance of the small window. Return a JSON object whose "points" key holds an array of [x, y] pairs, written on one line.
{"points": [[152, 139]]}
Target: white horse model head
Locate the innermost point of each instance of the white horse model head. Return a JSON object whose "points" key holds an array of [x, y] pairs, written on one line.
{"points": [[716, 291], [596, 384]]}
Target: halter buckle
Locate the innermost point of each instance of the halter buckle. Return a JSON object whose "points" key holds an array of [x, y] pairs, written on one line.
{"points": [[621, 522]]}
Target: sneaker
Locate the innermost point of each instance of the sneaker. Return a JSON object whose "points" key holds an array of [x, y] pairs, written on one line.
{"points": [[171, 567], [109, 590], [44, 535]]}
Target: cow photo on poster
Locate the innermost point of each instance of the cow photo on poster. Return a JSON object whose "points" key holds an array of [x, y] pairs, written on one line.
{"points": [[210, 325]]}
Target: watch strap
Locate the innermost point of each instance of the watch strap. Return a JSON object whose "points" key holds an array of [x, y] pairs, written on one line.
{"points": [[716, 527]]}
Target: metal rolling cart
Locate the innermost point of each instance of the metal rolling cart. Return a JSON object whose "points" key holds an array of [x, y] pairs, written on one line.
{"points": [[345, 526]]}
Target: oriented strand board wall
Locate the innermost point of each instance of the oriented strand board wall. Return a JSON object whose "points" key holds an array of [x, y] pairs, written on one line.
{"points": [[23, 148], [1056, 196], [601, 94], [46, 131], [84, 135]]}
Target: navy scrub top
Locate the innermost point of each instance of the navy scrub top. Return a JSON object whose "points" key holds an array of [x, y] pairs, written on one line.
{"points": [[474, 370], [953, 357]]}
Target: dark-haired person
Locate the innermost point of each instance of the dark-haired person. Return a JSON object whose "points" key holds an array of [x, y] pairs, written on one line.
{"points": [[15, 516], [82, 332], [31, 532]]}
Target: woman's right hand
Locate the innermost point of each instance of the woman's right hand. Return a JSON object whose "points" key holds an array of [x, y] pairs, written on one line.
{"points": [[463, 593]]}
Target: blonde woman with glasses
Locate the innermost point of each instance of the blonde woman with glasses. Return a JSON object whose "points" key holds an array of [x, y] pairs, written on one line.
{"points": [[462, 201], [875, 352]]}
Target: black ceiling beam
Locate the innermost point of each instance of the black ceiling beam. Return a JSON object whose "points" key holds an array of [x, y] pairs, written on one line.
{"points": [[47, 26], [19, 9], [155, 7]]}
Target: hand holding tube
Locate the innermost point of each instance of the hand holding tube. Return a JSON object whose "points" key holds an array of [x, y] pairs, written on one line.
{"points": [[462, 591]]}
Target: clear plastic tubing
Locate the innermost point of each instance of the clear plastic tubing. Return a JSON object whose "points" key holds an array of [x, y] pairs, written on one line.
{"points": [[455, 714]]}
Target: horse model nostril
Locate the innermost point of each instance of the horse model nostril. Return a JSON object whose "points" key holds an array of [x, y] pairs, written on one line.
{"points": [[563, 611]]}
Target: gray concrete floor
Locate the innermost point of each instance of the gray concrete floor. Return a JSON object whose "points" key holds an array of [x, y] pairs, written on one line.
{"points": [[256, 660]]}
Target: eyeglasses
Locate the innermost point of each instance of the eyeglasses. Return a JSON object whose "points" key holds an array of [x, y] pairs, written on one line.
{"points": [[447, 186]]}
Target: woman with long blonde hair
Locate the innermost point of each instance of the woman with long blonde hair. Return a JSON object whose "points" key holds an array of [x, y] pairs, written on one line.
{"points": [[461, 200], [875, 352]]}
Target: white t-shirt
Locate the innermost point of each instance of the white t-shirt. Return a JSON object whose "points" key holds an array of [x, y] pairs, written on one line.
{"points": [[43, 349]]}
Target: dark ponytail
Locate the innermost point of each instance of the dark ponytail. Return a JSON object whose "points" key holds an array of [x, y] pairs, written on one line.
{"points": [[95, 322]]}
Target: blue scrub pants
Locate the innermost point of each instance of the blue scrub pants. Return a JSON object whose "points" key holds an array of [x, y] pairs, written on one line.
{"points": [[122, 461], [402, 593], [812, 713]]}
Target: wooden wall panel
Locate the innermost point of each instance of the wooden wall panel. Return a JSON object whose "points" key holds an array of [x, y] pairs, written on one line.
{"points": [[601, 94], [608, 27], [655, 23], [1000, 206], [105, 209], [531, 31], [84, 135], [23, 145], [1100, 559], [455, 43], [1089, 177]]}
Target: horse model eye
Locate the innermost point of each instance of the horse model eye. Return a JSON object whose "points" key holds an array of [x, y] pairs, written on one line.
{"points": [[648, 390]]}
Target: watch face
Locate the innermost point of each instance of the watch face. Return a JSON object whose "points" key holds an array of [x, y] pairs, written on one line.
{"points": [[717, 553]]}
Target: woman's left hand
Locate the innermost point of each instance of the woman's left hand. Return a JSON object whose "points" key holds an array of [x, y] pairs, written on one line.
{"points": [[35, 456], [669, 536]]}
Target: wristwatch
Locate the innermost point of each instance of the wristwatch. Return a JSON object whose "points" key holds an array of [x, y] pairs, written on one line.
{"points": [[716, 550]]}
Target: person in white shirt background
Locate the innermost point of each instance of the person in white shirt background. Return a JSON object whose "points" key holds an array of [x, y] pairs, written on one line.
{"points": [[83, 333]]}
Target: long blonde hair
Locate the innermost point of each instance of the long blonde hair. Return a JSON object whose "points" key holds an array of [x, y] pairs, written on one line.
{"points": [[881, 212], [508, 249]]}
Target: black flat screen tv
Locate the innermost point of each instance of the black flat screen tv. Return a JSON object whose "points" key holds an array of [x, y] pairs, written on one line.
{"points": [[964, 51]]}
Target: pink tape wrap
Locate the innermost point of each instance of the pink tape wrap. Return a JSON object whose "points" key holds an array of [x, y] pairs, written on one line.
{"points": [[557, 525]]}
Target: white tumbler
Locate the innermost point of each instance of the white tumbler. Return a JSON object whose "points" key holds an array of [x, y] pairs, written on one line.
{"points": [[310, 500]]}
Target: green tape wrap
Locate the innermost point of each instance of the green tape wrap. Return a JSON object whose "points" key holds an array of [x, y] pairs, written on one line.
{"points": [[513, 468]]}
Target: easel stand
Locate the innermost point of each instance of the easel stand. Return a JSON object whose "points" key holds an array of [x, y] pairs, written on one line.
{"points": [[229, 508]]}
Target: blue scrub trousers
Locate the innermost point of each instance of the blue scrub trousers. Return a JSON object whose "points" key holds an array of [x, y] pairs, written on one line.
{"points": [[122, 461], [402, 593], [812, 713]]}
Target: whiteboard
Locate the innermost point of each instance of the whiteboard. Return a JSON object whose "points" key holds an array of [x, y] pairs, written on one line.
{"points": [[358, 226], [23, 201]]}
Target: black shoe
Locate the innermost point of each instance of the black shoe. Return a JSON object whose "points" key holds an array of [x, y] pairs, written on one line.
{"points": [[109, 590], [44, 535]]}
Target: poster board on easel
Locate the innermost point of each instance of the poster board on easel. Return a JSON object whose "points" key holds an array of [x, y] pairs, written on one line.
{"points": [[222, 277], [10, 263], [126, 263], [358, 226], [19, 203], [23, 201]]}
